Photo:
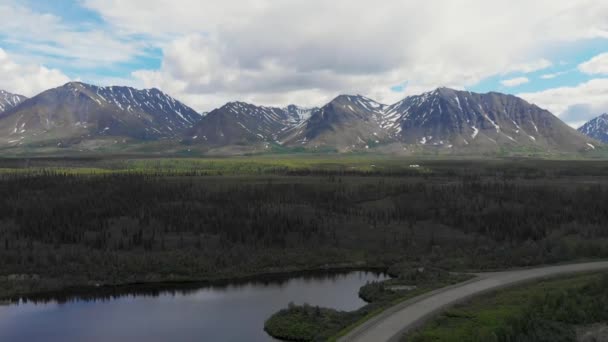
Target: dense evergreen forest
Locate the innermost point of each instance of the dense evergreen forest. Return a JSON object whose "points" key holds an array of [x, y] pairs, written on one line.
{"points": [[63, 228]]}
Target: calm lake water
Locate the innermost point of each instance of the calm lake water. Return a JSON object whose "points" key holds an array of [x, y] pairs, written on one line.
{"points": [[234, 312]]}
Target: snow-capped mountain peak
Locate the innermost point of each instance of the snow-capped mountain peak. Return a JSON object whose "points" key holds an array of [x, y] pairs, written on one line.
{"points": [[299, 114], [360, 102], [132, 100], [9, 101], [597, 128], [77, 111], [240, 123]]}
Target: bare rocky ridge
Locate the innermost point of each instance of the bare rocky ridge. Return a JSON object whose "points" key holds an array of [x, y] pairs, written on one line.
{"points": [[347, 123], [596, 128], [9, 101], [240, 123]]}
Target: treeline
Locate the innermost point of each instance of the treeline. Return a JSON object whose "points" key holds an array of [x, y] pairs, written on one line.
{"points": [[125, 227]]}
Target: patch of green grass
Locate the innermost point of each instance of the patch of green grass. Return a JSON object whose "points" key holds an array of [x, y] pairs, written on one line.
{"points": [[293, 163], [543, 311], [428, 286], [305, 323]]}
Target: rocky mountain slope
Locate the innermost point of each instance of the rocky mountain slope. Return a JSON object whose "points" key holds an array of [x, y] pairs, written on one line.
{"points": [[240, 123], [444, 119], [9, 101], [77, 112], [447, 118], [596, 128], [346, 123], [440, 121]]}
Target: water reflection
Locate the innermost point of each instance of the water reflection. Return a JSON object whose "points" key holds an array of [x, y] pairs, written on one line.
{"points": [[230, 311]]}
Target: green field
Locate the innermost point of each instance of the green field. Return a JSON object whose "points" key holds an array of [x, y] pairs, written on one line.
{"points": [[304, 164]]}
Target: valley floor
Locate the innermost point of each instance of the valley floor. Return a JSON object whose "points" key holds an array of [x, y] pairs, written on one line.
{"points": [[73, 222]]}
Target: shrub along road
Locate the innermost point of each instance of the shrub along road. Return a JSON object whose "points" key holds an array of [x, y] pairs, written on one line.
{"points": [[393, 323]]}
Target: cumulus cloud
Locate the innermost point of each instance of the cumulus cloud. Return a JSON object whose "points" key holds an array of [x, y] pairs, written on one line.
{"points": [[575, 105], [514, 82], [308, 50], [27, 79], [529, 67], [45, 37], [552, 75], [596, 65], [578, 114]]}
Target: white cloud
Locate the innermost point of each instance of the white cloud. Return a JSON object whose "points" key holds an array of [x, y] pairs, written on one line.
{"points": [[553, 75], [575, 105], [45, 37], [27, 79], [529, 67], [514, 82], [596, 65], [309, 50]]}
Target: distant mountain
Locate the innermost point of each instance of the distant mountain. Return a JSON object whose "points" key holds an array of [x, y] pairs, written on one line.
{"points": [[460, 119], [596, 128], [9, 101], [441, 121], [346, 123], [444, 119], [240, 123], [77, 111]]}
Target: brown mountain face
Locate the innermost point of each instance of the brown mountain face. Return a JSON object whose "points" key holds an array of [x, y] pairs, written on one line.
{"points": [[76, 112]]}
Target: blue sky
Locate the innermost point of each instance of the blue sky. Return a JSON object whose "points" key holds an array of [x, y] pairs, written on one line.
{"points": [[77, 18], [565, 59], [206, 52]]}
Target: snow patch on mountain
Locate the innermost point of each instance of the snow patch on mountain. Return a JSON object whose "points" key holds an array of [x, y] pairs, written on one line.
{"points": [[596, 128], [9, 101]]}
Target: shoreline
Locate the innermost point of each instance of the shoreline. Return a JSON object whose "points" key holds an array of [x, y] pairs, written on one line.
{"points": [[78, 291]]}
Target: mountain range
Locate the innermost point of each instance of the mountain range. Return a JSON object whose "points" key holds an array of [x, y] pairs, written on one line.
{"points": [[87, 117], [443, 119]]}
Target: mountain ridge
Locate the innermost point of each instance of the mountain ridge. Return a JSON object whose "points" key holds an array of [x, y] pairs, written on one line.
{"points": [[242, 123], [348, 122], [443, 120], [77, 111], [455, 118], [440, 119], [9, 100], [596, 128]]}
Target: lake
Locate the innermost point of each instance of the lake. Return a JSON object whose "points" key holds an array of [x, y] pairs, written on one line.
{"points": [[231, 312]]}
